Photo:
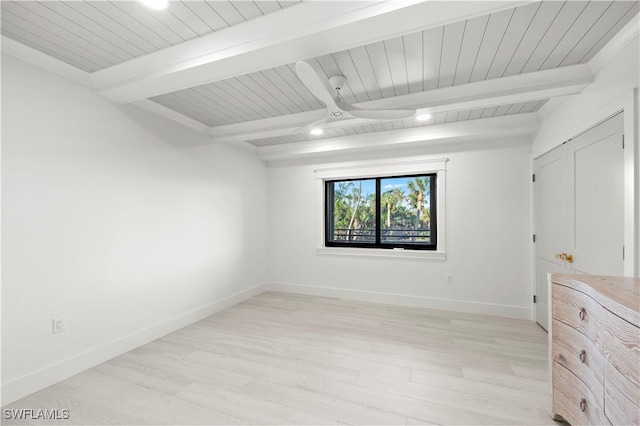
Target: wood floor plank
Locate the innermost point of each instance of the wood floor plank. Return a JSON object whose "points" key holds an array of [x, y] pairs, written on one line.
{"points": [[508, 381], [519, 397], [248, 408], [403, 405], [281, 358], [412, 421], [462, 400], [326, 405]]}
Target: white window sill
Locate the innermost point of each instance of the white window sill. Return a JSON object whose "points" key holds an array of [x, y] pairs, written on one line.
{"points": [[382, 253]]}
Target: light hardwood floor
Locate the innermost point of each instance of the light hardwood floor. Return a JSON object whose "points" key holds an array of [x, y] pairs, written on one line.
{"points": [[283, 358]]}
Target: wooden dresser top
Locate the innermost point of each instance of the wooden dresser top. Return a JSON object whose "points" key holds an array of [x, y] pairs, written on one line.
{"points": [[617, 294]]}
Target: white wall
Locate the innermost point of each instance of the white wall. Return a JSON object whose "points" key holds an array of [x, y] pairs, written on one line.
{"points": [[488, 239], [129, 225]]}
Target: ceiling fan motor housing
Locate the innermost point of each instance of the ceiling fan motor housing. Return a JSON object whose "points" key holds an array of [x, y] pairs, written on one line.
{"points": [[337, 81], [336, 107]]}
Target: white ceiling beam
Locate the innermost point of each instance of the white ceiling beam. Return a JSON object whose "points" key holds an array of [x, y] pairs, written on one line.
{"points": [[483, 94], [547, 80], [304, 31], [496, 127], [172, 115]]}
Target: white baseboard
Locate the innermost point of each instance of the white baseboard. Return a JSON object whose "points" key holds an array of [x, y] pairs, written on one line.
{"points": [[406, 300], [40, 379]]}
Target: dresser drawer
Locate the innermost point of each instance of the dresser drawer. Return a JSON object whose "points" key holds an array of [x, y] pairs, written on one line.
{"points": [[577, 310], [573, 400], [621, 347], [621, 398], [578, 354]]}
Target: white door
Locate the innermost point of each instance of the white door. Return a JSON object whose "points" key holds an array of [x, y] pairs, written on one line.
{"points": [[596, 163], [579, 199], [551, 218]]}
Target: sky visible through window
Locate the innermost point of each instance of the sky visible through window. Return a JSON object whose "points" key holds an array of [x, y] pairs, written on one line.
{"points": [[388, 184]]}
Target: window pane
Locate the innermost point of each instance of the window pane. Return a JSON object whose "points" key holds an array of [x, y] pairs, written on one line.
{"points": [[405, 209], [354, 211]]}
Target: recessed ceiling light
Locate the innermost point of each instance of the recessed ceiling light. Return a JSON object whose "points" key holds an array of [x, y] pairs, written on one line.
{"points": [[156, 4], [423, 117], [317, 131]]}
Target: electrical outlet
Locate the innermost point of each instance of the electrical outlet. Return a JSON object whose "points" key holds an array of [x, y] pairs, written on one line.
{"points": [[59, 324], [448, 278]]}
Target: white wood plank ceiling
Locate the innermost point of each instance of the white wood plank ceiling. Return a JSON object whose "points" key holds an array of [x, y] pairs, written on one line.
{"points": [[525, 39], [529, 38], [93, 35], [229, 66]]}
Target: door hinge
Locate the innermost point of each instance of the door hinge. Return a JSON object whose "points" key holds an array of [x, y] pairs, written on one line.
{"points": [[622, 141], [534, 238], [534, 298], [622, 252], [533, 177]]}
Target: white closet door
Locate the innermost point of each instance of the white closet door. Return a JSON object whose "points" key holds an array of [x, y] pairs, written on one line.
{"points": [[596, 165], [579, 208]]}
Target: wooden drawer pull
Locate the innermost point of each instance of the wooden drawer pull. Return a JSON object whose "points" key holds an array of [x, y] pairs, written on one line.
{"points": [[583, 356], [582, 314], [583, 404]]}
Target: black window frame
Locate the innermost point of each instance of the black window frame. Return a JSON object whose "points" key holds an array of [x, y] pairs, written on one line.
{"points": [[378, 244]]}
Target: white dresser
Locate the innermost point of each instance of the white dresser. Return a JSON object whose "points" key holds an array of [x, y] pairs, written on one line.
{"points": [[594, 345]]}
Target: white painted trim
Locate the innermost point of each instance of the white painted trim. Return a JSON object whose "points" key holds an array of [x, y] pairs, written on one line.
{"points": [[466, 306], [626, 35], [165, 112], [364, 169], [472, 130], [382, 253], [532, 245], [636, 137], [40, 379], [44, 61], [377, 168], [631, 185]]}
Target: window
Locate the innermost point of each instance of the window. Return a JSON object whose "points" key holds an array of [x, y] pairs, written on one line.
{"points": [[382, 212]]}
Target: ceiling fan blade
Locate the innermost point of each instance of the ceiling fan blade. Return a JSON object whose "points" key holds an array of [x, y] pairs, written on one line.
{"points": [[381, 114], [317, 86], [314, 124]]}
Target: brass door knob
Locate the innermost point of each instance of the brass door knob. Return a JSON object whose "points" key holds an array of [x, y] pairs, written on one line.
{"points": [[565, 257]]}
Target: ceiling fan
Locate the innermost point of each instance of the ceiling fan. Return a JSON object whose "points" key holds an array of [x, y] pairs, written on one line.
{"points": [[328, 92]]}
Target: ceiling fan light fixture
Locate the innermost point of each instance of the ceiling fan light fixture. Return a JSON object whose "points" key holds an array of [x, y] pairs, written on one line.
{"points": [[156, 4], [423, 117], [316, 131]]}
